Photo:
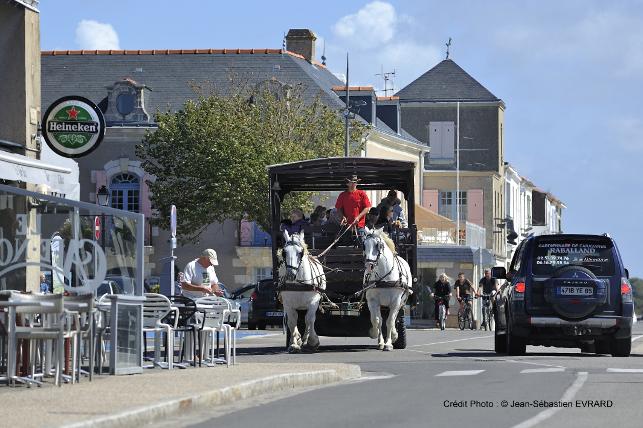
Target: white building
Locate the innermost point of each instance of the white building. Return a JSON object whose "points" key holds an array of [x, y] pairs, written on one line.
{"points": [[529, 210]]}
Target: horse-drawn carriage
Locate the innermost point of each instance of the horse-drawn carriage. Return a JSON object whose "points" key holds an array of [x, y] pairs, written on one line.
{"points": [[333, 254]]}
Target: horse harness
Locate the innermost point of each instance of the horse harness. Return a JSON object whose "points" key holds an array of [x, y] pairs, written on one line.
{"points": [[379, 283]]}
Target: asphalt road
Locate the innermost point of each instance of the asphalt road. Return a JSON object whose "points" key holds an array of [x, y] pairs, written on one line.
{"points": [[445, 378]]}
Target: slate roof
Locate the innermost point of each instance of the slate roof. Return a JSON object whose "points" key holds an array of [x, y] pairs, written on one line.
{"points": [[447, 81], [171, 75]]}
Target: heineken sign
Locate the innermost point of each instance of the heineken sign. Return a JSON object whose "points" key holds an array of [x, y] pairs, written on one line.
{"points": [[73, 126]]}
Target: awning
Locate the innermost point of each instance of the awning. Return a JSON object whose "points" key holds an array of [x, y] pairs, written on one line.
{"points": [[425, 218], [60, 181]]}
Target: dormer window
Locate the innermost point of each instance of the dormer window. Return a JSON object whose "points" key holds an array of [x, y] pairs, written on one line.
{"points": [[126, 104]]}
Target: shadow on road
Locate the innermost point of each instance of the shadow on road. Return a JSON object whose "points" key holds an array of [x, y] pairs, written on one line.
{"points": [[275, 350]]}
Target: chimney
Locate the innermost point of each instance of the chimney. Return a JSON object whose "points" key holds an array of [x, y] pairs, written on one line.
{"points": [[302, 42]]}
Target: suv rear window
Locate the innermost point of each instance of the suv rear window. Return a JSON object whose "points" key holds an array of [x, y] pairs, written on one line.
{"points": [[595, 255]]}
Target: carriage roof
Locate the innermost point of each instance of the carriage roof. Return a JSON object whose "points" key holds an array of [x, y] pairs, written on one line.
{"points": [[329, 174]]}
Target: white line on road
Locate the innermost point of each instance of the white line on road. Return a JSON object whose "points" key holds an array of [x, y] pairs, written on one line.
{"points": [[624, 370], [567, 396], [450, 341], [460, 373], [636, 338], [534, 364], [545, 370]]}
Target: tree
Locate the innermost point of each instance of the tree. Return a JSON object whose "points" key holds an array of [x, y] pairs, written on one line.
{"points": [[210, 158]]}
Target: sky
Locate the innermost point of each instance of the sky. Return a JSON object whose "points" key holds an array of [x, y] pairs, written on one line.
{"points": [[570, 74]]}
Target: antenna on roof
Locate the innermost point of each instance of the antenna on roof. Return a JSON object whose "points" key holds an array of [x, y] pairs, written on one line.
{"points": [[389, 75], [323, 57], [448, 44]]}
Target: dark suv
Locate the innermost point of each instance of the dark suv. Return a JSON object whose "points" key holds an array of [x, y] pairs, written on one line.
{"points": [[568, 291], [265, 309]]}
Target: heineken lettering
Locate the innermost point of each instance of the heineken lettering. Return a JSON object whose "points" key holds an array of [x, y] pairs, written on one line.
{"points": [[74, 126]]}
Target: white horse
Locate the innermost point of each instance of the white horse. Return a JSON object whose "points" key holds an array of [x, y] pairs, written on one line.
{"points": [[300, 270], [383, 265]]}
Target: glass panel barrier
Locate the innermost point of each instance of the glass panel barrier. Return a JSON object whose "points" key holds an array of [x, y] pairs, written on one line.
{"points": [[54, 245]]}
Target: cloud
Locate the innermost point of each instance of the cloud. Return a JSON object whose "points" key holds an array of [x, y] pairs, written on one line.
{"points": [[371, 25], [96, 35], [378, 36], [607, 37]]}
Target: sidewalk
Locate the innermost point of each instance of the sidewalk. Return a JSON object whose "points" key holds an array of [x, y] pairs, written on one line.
{"points": [[134, 400]]}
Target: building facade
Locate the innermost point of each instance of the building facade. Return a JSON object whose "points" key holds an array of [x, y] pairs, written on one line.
{"points": [[131, 86]]}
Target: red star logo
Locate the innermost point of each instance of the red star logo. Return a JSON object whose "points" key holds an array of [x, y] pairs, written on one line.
{"points": [[72, 113]]}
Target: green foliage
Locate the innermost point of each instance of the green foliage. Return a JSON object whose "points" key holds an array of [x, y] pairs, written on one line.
{"points": [[637, 291], [210, 158]]}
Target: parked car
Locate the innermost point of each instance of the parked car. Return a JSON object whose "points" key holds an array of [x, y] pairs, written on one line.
{"points": [[244, 296], [108, 287], [265, 309], [567, 291], [125, 283]]}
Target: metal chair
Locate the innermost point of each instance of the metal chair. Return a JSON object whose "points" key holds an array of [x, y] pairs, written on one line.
{"points": [[83, 310], [234, 321], [43, 319], [184, 321], [102, 324], [216, 311], [155, 309]]}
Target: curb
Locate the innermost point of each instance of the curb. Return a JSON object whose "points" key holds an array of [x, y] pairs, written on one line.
{"points": [[227, 395]]}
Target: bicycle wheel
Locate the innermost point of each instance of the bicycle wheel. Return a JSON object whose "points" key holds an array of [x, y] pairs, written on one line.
{"points": [[470, 323], [442, 317], [461, 320]]}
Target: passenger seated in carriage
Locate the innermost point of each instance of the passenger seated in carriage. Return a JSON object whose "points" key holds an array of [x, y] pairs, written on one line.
{"points": [[393, 201], [371, 217], [295, 223], [318, 217]]}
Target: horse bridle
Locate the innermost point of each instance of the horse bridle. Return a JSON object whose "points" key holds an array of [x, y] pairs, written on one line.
{"points": [[292, 243], [380, 245]]}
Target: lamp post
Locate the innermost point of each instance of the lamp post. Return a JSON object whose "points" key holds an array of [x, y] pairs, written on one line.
{"points": [[102, 197]]}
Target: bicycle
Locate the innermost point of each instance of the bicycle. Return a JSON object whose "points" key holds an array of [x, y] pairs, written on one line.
{"points": [[487, 313], [465, 314], [442, 311]]}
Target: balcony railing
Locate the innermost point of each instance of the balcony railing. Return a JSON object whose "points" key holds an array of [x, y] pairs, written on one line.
{"points": [[471, 235]]}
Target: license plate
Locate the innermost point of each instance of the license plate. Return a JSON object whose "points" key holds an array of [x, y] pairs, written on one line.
{"points": [[274, 314], [576, 291]]}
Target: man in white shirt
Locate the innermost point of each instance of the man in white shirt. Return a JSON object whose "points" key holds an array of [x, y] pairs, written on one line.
{"points": [[199, 277]]}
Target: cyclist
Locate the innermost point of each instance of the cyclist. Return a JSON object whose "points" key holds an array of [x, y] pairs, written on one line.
{"points": [[464, 290], [488, 285], [442, 288]]}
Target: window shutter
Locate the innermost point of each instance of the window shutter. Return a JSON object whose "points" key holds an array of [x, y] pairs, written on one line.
{"points": [[448, 139], [430, 200], [475, 206], [435, 140]]}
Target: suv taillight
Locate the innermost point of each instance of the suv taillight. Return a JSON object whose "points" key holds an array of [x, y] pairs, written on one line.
{"points": [[626, 291], [519, 287], [253, 296]]}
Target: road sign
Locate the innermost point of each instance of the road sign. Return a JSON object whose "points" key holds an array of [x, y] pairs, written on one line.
{"points": [[97, 228], [173, 221]]}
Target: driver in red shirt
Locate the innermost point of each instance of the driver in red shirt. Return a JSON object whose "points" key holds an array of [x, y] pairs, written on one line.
{"points": [[353, 205]]}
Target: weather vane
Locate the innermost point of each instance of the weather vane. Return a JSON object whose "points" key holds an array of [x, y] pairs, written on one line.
{"points": [[448, 47]]}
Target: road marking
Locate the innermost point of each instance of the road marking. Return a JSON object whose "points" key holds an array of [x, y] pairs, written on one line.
{"points": [[581, 377], [460, 373], [535, 364], [258, 335], [545, 370], [450, 341], [624, 370], [636, 338]]}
